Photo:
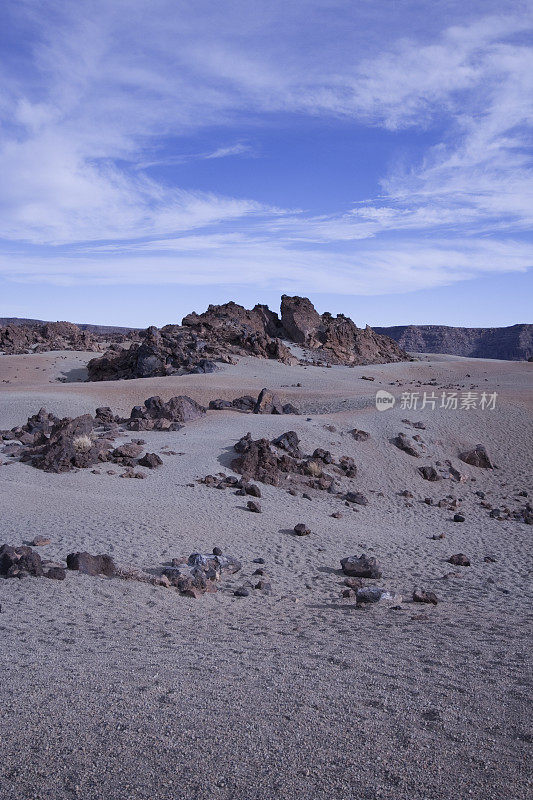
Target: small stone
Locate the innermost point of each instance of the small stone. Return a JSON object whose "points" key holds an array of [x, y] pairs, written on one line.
{"points": [[217, 551], [458, 518], [353, 583], [336, 515], [252, 489], [40, 541], [258, 560], [150, 460], [349, 593], [459, 560], [56, 573], [253, 505], [264, 586], [490, 559], [438, 536], [241, 592], [423, 596], [301, 530], [429, 473]]}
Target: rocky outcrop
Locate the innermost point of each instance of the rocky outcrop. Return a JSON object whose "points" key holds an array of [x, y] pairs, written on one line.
{"points": [[279, 462], [514, 343], [36, 337], [226, 331], [337, 340], [158, 415], [55, 445]]}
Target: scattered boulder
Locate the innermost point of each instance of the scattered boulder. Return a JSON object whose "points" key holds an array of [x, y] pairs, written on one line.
{"points": [[359, 436], [70, 445], [458, 518], [158, 415], [403, 442], [268, 403], [56, 573], [150, 460], [40, 541], [362, 566], [199, 573], [374, 594], [429, 473], [459, 560], [254, 506], [301, 529], [20, 562], [88, 564], [290, 442], [423, 596], [356, 497], [220, 405], [244, 403], [477, 457]]}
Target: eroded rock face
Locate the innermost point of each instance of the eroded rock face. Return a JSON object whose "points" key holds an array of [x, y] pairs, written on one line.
{"points": [[301, 321], [336, 339]]}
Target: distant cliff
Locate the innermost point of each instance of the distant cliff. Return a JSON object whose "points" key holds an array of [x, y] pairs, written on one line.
{"points": [[514, 343]]}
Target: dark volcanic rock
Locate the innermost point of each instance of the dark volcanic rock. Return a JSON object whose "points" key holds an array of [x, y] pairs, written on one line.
{"points": [[38, 337], [301, 529], [253, 505], [220, 405], [359, 436], [477, 457], [289, 441], [56, 573], [362, 566], [150, 460], [244, 403], [158, 415], [229, 330], [91, 565], [459, 560], [268, 402], [403, 442], [429, 473], [423, 596], [18, 562], [70, 446], [336, 339]]}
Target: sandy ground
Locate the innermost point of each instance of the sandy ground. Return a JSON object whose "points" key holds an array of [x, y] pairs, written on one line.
{"points": [[126, 691]]}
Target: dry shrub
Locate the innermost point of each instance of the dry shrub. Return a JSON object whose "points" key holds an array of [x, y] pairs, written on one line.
{"points": [[82, 444]]}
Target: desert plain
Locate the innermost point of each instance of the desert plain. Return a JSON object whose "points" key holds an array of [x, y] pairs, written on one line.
{"points": [[121, 690]]}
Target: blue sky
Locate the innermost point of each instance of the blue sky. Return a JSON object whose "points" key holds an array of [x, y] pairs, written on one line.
{"points": [[374, 155]]}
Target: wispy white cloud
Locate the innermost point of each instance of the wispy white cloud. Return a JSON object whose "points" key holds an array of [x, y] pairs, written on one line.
{"points": [[85, 108]]}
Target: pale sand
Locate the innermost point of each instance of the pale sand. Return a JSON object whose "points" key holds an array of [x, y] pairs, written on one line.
{"points": [[116, 689]]}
